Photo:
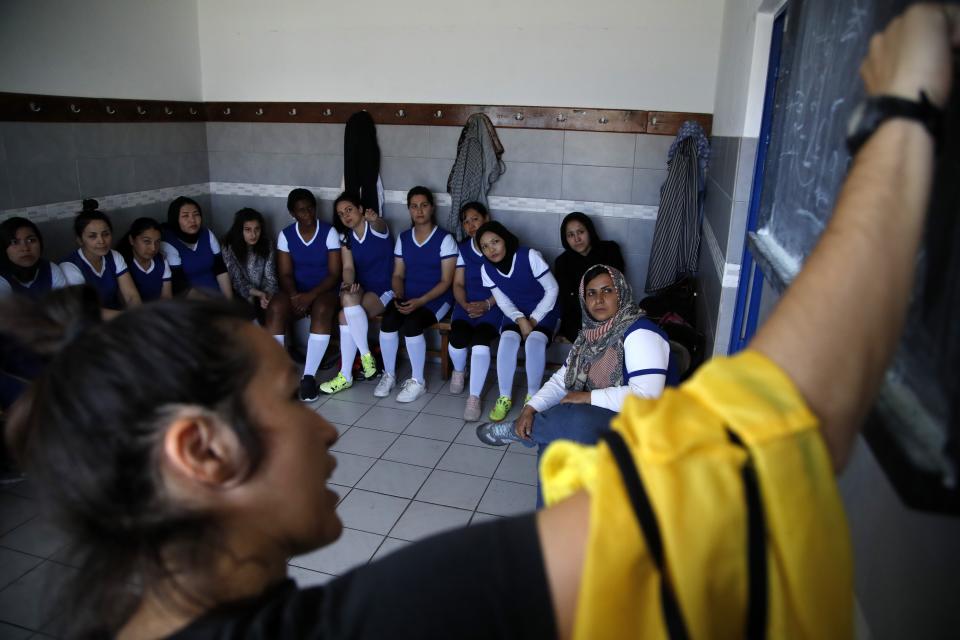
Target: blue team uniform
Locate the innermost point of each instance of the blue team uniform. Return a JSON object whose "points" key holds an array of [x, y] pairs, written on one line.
{"points": [[42, 283], [423, 269], [471, 260], [150, 283], [310, 263], [523, 287], [106, 282], [373, 260], [197, 262]]}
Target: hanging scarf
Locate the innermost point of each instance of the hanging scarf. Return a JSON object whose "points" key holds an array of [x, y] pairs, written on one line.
{"points": [[510, 243], [596, 360]]}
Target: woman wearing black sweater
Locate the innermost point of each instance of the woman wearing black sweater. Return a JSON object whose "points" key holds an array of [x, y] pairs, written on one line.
{"points": [[583, 249]]}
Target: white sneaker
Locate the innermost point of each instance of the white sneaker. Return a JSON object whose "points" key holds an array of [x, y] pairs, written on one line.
{"points": [[457, 381], [385, 386], [410, 390]]}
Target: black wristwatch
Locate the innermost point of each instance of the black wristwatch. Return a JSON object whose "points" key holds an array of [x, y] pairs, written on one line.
{"points": [[872, 112]]}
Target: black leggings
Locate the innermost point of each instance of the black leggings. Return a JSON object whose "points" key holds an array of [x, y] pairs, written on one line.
{"points": [[408, 325], [463, 334]]}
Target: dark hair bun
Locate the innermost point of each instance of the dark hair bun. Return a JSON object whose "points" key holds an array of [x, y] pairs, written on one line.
{"points": [[90, 205]]}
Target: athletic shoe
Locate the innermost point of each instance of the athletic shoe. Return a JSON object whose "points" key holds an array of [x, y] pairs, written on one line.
{"points": [[385, 386], [457, 380], [501, 409], [499, 434], [368, 365], [336, 385], [410, 390], [472, 410], [308, 389]]}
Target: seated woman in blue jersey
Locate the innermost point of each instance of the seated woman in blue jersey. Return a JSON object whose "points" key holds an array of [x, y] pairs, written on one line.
{"points": [[251, 261], [96, 264], [366, 249], [526, 293], [308, 267], [618, 352], [193, 252], [425, 257], [149, 269], [476, 318]]}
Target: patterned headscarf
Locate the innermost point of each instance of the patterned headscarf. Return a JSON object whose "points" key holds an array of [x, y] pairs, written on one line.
{"points": [[596, 360]]}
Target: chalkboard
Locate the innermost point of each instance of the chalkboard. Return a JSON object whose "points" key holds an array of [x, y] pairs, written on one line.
{"points": [[914, 429]]}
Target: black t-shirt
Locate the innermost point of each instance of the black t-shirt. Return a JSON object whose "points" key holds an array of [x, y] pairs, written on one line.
{"points": [[569, 268], [486, 581]]}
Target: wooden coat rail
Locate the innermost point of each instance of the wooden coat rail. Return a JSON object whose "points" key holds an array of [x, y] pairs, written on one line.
{"points": [[23, 107]]}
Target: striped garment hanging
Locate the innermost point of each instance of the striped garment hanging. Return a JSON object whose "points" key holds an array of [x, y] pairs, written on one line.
{"points": [[676, 238]]}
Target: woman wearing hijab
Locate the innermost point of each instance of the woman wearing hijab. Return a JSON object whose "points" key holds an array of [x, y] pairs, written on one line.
{"points": [[619, 352], [583, 249], [526, 293]]}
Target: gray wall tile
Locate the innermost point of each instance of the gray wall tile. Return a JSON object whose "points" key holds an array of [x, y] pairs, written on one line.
{"points": [[403, 141], [646, 186], [229, 136], [530, 180], [652, 151], [723, 162], [397, 217], [27, 142], [174, 137], [42, 181], [106, 176], [599, 149], [295, 169], [325, 139], [745, 167], [716, 209], [278, 137], [532, 228], [736, 234], [639, 236], [602, 184], [194, 168], [58, 239], [531, 145], [102, 139], [232, 166], [5, 199], [404, 173], [636, 272], [609, 228], [443, 141], [155, 172]]}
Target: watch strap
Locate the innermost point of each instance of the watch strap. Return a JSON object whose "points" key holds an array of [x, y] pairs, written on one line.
{"points": [[886, 107]]}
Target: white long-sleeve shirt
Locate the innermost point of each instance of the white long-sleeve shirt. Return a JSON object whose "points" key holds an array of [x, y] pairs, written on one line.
{"points": [[541, 270], [646, 355]]}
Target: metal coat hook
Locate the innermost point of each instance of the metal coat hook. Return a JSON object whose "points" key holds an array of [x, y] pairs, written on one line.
{"points": [[226, 111], [653, 120], [74, 108], [141, 110], [110, 110], [603, 120], [35, 107], [193, 111], [168, 111], [401, 113], [327, 112], [258, 112], [438, 114], [561, 117], [293, 111], [518, 115]]}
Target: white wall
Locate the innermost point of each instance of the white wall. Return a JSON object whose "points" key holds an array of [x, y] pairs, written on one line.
{"points": [[632, 54], [146, 49]]}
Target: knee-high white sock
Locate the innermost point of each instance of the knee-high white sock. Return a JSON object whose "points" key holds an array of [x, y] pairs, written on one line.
{"points": [[417, 350], [281, 339], [507, 361], [479, 365], [458, 357], [536, 355], [316, 347], [348, 349], [389, 343], [359, 325]]}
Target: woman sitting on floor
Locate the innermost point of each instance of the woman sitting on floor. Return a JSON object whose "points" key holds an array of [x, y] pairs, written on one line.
{"points": [[251, 261], [150, 271], [193, 252], [618, 352]]}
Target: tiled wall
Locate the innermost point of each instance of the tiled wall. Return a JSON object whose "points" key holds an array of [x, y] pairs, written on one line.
{"points": [[721, 251]]}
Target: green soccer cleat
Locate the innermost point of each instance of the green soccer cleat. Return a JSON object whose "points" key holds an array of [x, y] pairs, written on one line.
{"points": [[336, 385], [368, 365], [501, 409]]}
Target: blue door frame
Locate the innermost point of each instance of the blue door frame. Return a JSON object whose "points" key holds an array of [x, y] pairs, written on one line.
{"points": [[749, 289]]}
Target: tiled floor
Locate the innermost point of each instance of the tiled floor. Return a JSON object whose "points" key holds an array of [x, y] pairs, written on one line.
{"points": [[404, 472]]}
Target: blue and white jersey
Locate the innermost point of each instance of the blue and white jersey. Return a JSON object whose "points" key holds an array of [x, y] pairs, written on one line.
{"points": [[49, 276], [150, 281], [423, 264], [78, 270], [527, 289], [197, 260], [309, 257], [471, 260], [372, 259]]}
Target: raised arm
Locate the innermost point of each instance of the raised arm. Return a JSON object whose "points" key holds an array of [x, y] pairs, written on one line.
{"points": [[862, 269]]}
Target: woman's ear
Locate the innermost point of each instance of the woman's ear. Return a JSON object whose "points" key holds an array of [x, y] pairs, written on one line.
{"points": [[199, 447]]}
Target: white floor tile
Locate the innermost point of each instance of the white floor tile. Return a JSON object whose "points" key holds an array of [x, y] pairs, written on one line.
{"points": [[364, 442], [306, 578], [516, 467], [389, 546], [452, 489], [340, 490], [29, 601], [417, 405], [350, 468], [343, 412], [360, 392], [38, 537], [14, 564], [421, 520], [479, 518], [341, 428], [516, 447], [352, 549], [508, 498], [468, 435], [15, 510], [394, 478], [386, 419], [428, 425], [373, 512], [419, 451], [473, 460], [444, 405]]}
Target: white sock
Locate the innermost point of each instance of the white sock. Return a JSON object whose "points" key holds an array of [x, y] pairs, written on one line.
{"points": [[479, 365], [348, 349], [458, 357], [281, 339], [359, 325], [536, 355], [417, 350], [507, 361], [389, 343], [316, 347]]}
